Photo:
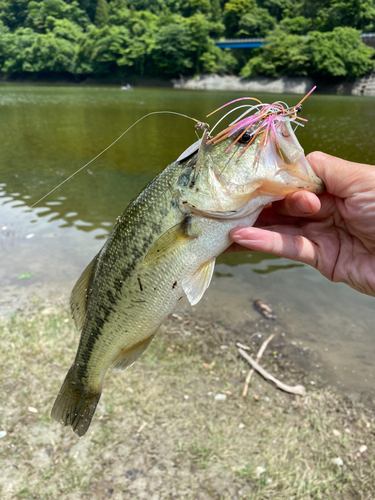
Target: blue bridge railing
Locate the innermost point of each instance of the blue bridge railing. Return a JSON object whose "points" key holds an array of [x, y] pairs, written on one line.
{"points": [[240, 43], [254, 43]]}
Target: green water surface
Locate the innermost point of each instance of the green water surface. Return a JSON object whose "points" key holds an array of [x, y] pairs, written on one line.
{"points": [[47, 133]]}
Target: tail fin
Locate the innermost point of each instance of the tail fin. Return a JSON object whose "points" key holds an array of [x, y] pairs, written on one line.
{"points": [[74, 406]]}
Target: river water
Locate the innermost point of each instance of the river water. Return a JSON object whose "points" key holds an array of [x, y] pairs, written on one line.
{"points": [[47, 133]]}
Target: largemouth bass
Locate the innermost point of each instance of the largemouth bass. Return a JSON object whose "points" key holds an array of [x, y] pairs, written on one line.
{"points": [[164, 245]]}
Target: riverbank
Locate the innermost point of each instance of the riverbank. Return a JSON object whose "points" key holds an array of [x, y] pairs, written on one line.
{"points": [[285, 85], [86, 80], [175, 424]]}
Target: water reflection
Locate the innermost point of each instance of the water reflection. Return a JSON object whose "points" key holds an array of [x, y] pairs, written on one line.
{"points": [[50, 132], [271, 269]]}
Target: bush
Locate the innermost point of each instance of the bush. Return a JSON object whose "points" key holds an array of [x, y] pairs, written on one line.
{"points": [[334, 54], [172, 53], [283, 54], [340, 53]]}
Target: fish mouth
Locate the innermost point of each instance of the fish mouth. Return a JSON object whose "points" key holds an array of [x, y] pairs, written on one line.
{"points": [[296, 177], [314, 185], [317, 186], [301, 177]]}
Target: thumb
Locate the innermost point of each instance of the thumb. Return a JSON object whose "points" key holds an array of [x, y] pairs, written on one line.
{"points": [[342, 178]]}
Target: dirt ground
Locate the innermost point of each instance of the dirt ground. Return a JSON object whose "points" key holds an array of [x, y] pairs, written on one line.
{"points": [[175, 425]]}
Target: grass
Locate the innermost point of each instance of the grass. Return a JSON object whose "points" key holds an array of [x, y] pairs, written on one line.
{"points": [[159, 432]]}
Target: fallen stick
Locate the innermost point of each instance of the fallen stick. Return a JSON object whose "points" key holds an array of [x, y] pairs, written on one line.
{"points": [[299, 390], [259, 355], [242, 346]]}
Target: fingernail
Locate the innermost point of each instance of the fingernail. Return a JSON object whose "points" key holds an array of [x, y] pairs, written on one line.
{"points": [[246, 236], [243, 233], [248, 243], [304, 205]]}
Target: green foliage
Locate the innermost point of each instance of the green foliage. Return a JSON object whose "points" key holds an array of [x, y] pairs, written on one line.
{"points": [[28, 51], [101, 13], [296, 26], [40, 13], [340, 53], [13, 13], [13, 48], [257, 23], [171, 38], [280, 8], [234, 10], [172, 53], [284, 54], [63, 28], [337, 53], [118, 12], [327, 15], [108, 48]]}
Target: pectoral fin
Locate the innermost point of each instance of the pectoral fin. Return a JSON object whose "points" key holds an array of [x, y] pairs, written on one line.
{"points": [[80, 292], [172, 239], [197, 284]]}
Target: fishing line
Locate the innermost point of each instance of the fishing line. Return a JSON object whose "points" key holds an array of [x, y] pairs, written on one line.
{"points": [[235, 100], [113, 143], [227, 163]]}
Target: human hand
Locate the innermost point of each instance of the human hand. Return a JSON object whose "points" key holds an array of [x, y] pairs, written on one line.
{"points": [[333, 232]]}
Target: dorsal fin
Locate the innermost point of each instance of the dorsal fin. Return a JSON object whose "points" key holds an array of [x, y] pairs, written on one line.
{"points": [[80, 293]]}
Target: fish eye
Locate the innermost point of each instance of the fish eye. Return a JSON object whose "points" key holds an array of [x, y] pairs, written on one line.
{"points": [[245, 138]]}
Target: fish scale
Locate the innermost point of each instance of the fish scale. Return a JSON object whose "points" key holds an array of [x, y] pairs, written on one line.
{"points": [[163, 248]]}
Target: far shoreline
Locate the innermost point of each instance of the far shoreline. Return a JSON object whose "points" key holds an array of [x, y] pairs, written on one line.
{"points": [[364, 86]]}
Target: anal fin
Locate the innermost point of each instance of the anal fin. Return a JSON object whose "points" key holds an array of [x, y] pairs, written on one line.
{"points": [[126, 357], [197, 284]]}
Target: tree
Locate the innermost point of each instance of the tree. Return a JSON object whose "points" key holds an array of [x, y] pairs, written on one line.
{"points": [[50, 54], [334, 54], [280, 9], [101, 14], [118, 12], [283, 54], [28, 52], [40, 12], [296, 26], [106, 47], [257, 23], [216, 11], [234, 10], [169, 37], [13, 13], [172, 53], [340, 53], [215, 60], [14, 46], [327, 15]]}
